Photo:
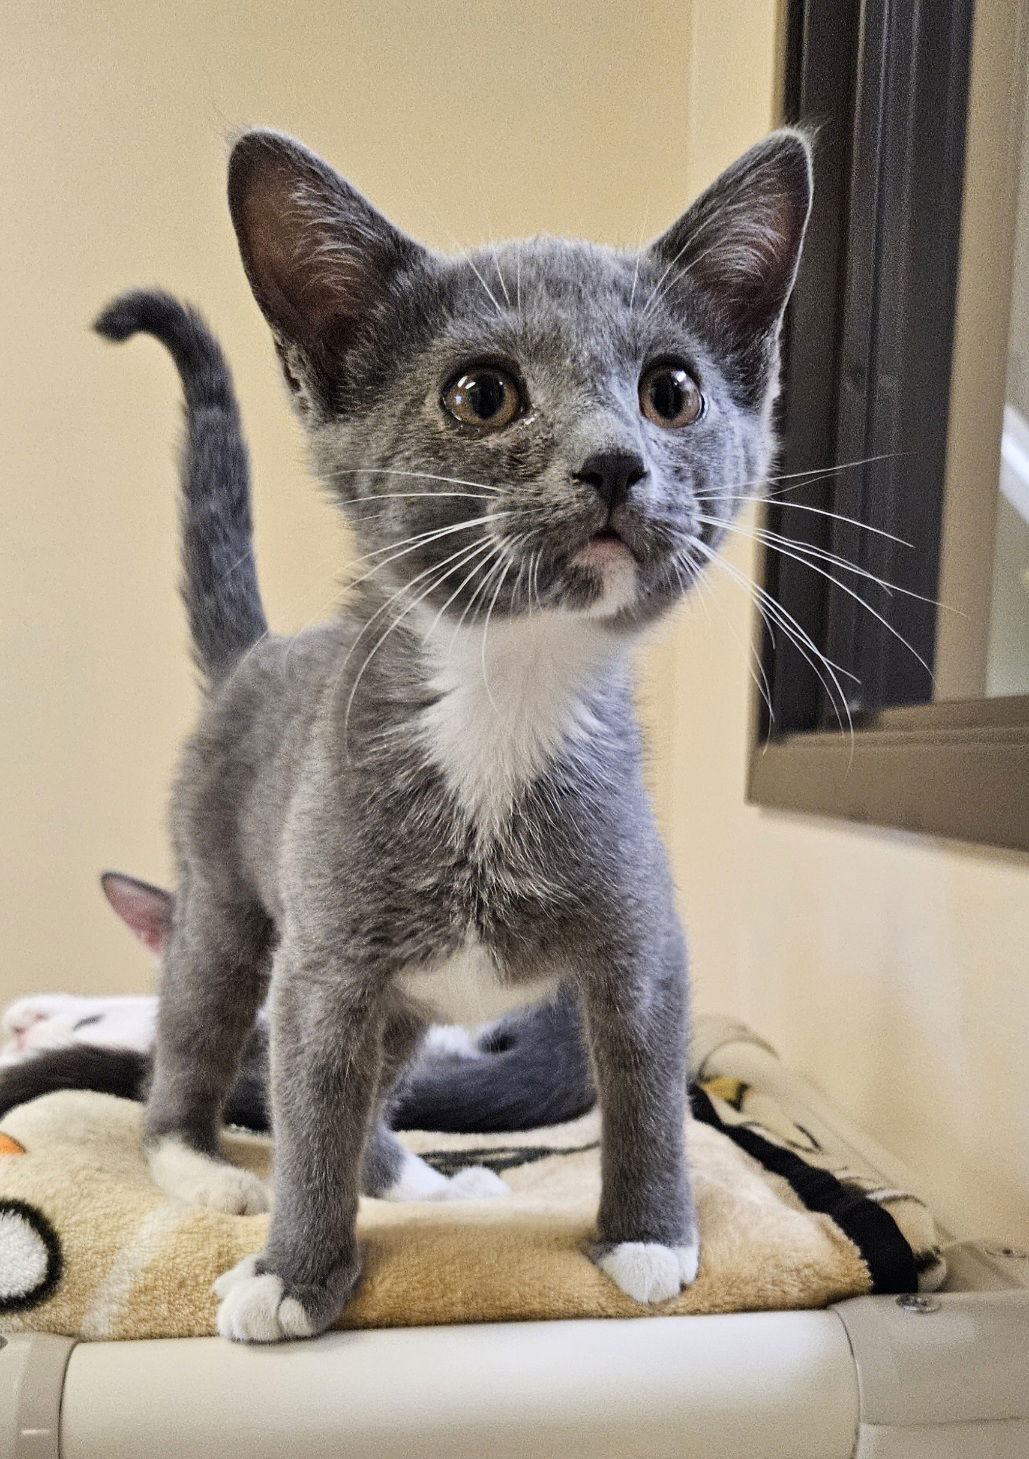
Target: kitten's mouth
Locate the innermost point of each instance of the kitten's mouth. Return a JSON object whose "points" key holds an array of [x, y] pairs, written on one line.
{"points": [[613, 567], [606, 546], [611, 559]]}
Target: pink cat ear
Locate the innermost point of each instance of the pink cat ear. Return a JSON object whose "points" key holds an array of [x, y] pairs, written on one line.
{"points": [[320, 258], [731, 259], [145, 909]]}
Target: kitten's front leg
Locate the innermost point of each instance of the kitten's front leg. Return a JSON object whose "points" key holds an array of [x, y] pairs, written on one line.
{"points": [[326, 1058], [635, 1008]]}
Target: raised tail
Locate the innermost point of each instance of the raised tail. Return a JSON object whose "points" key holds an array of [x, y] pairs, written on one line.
{"points": [[219, 578]]}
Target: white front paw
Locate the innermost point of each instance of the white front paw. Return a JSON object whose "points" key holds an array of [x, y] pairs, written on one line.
{"points": [[646, 1271], [241, 1272], [253, 1308], [203, 1181]]}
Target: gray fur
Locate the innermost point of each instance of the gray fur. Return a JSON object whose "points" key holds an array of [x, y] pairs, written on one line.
{"points": [[219, 583], [320, 839], [529, 1068]]}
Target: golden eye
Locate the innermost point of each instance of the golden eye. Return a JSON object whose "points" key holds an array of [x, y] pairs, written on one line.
{"points": [[484, 397], [670, 397]]}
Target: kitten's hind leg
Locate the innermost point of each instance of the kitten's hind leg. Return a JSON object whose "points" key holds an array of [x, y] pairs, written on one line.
{"points": [[392, 1172], [214, 979]]}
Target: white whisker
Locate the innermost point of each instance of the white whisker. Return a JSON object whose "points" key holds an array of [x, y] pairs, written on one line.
{"points": [[430, 496], [483, 586], [422, 539], [485, 629], [500, 276], [703, 591], [822, 512], [238, 563], [636, 269], [816, 567], [462, 555], [419, 475], [492, 297], [802, 478], [792, 629], [777, 543], [535, 578], [840, 466], [490, 548]]}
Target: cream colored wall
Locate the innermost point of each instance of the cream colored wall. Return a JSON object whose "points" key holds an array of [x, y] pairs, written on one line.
{"points": [[891, 969], [461, 121]]}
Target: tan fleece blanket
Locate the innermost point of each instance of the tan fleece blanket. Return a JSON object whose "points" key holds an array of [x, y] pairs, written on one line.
{"points": [[90, 1247]]}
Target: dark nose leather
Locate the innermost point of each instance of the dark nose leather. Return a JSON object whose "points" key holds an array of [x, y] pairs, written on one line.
{"points": [[612, 474]]}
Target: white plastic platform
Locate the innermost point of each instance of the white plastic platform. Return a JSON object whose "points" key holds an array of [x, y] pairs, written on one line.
{"points": [[935, 1377]]}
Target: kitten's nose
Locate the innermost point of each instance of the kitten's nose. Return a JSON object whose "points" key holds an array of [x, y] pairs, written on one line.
{"points": [[613, 474]]}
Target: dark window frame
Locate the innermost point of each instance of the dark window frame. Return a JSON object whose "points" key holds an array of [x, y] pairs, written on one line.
{"points": [[886, 86]]}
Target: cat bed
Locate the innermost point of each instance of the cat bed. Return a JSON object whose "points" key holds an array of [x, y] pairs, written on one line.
{"points": [[90, 1248]]}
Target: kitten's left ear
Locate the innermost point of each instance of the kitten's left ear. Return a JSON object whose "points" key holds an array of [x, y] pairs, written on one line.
{"points": [[737, 248], [318, 256]]}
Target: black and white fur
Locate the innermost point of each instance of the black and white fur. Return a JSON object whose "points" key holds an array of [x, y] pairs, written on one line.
{"points": [[452, 766], [526, 1069]]}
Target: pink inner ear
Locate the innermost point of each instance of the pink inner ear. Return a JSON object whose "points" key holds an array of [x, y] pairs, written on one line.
{"points": [[146, 910]]}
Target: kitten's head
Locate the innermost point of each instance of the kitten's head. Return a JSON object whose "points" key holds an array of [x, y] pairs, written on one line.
{"points": [[543, 425]]}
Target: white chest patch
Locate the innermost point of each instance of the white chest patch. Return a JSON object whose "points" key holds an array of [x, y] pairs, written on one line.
{"points": [[508, 702]]}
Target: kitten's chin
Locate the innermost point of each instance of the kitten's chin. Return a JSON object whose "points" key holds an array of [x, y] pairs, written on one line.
{"points": [[611, 564]]}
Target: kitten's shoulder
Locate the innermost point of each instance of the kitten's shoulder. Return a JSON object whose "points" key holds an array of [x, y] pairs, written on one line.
{"points": [[285, 671]]}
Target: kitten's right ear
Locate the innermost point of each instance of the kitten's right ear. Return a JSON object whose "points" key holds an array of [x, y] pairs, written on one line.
{"points": [[146, 910], [318, 256], [736, 252]]}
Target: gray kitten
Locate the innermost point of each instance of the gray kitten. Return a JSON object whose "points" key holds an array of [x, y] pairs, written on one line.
{"points": [[526, 443]]}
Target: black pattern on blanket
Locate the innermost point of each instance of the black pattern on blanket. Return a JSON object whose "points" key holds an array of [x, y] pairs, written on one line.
{"points": [[90, 1247]]}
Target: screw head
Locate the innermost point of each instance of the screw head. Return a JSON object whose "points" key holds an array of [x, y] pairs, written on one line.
{"points": [[912, 1302]]}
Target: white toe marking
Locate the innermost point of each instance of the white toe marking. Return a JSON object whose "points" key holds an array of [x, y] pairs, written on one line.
{"points": [[204, 1181], [449, 1038], [293, 1319], [254, 1310], [650, 1272], [417, 1181], [689, 1261], [239, 1273], [475, 1183]]}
